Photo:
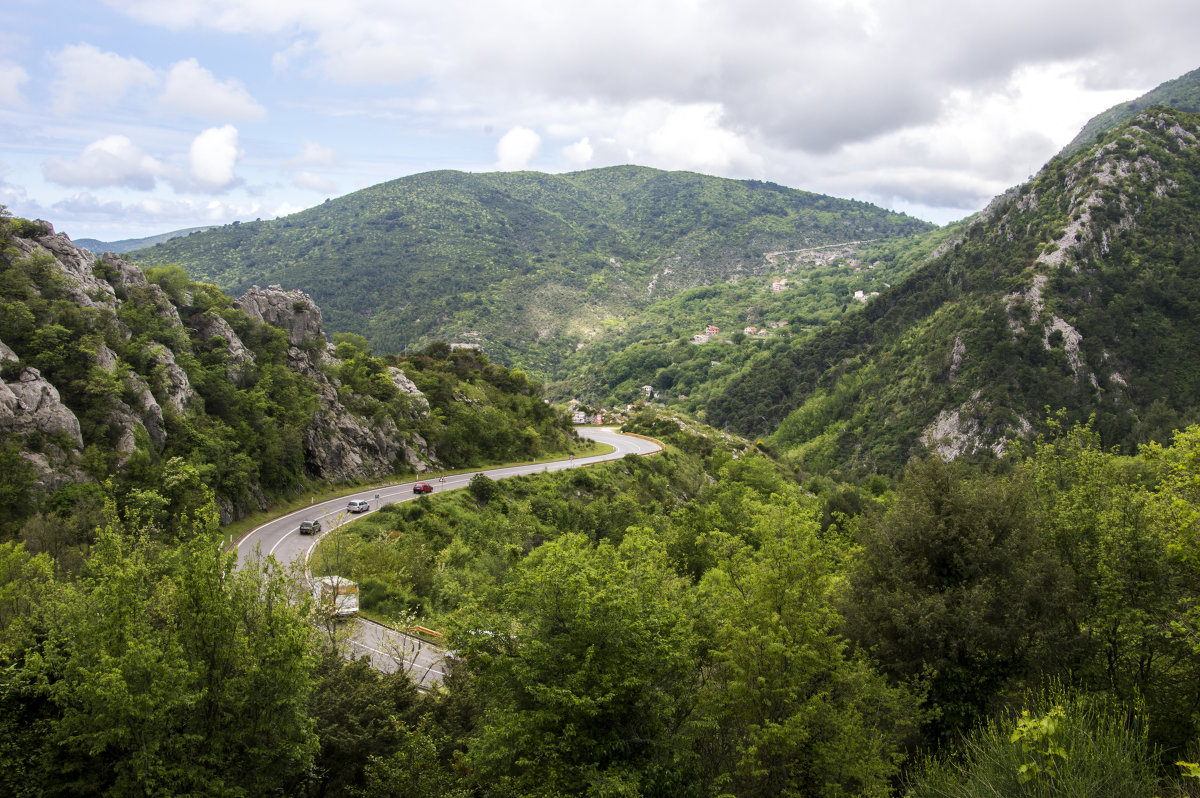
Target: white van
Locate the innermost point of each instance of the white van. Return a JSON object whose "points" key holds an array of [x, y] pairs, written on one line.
{"points": [[358, 506]]}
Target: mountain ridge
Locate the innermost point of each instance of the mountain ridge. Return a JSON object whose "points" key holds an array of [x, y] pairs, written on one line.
{"points": [[129, 244], [1045, 301], [527, 264]]}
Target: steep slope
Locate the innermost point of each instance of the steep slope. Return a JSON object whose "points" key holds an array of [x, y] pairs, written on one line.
{"points": [[1078, 290], [526, 264], [1182, 93], [164, 385]]}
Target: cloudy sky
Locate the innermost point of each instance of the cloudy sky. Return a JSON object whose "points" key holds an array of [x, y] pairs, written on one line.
{"points": [[125, 118]]}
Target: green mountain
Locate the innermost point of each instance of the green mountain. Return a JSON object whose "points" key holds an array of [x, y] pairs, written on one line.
{"points": [[1079, 290], [527, 265], [130, 244], [1182, 93]]}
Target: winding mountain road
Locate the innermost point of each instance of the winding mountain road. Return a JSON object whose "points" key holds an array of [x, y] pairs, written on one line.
{"points": [[389, 649]]}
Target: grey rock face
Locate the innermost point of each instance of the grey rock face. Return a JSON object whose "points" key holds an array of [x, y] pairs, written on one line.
{"points": [[409, 388], [174, 384], [31, 403], [339, 445], [292, 311]]}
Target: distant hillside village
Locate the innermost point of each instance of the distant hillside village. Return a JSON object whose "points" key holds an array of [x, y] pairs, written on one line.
{"points": [[711, 331]]}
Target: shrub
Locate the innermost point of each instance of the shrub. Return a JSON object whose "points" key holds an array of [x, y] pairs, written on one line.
{"points": [[1066, 745]]}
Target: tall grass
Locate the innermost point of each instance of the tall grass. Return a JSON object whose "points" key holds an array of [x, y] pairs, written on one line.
{"points": [[1105, 747]]}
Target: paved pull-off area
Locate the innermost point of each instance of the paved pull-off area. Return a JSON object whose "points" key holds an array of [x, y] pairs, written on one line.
{"points": [[389, 649]]}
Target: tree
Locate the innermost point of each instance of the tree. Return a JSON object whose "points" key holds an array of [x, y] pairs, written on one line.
{"points": [[1127, 529], [360, 714], [584, 670], [953, 584], [162, 671], [783, 709]]}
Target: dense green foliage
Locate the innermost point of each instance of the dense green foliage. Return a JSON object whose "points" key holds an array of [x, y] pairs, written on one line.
{"points": [[974, 332], [526, 264], [163, 670], [158, 670], [692, 623], [1066, 745], [245, 433], [804, 291], [696, 623], [480, 412]]}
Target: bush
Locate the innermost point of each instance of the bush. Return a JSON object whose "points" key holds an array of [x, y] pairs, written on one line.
{"points": [[482, 488], [1065, 745]]}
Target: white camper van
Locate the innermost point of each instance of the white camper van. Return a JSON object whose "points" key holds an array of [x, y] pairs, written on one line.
{"points": [[336, 595]]}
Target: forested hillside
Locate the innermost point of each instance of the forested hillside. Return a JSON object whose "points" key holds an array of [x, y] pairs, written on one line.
{"points": [[1077, 290], [164, 388], [667, 345], [527, 265]]}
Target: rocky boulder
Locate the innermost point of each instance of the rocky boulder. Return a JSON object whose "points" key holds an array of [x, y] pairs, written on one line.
{"points": [[30, 404], [292, 311]]}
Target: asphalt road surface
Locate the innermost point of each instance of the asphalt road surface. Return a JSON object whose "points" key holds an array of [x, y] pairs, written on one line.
{"points": [[389, 649]]}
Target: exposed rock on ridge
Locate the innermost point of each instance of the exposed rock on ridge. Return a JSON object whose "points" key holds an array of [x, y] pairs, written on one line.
{"points": [[338, 444]]}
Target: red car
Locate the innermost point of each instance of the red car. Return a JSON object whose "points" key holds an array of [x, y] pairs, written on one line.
{"points": [[422, 487]]}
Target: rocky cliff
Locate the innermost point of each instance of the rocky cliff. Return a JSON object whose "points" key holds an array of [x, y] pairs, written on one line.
{"points": [[100, 359], [338, 444]]}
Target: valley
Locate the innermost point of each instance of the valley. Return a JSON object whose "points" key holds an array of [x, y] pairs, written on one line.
{"points": [[924, 521]]}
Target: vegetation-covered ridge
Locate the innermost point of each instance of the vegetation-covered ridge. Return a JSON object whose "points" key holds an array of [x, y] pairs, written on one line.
{"points": [[1182, 93], [163, 386], [528, 265], [1077, 290]]}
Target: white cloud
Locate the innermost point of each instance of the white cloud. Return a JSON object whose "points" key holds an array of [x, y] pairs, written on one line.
{"points": [[192, 89], [90, 77], [111, 161], [928, 102], [285, 209], [313, 154], [690, 137], [579, 154], [312, 182], [212, 157], [517, 148], [11, 78], [114, 219]]}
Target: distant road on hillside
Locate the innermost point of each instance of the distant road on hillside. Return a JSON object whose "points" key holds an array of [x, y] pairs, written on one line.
{"points": [[388, 648]]}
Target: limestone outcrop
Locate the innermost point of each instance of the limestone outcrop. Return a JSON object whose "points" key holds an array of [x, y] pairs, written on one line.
{"points": [[147, 390], [338, 444]]}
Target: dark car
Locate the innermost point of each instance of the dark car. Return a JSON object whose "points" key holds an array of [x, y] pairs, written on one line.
{"points": [[422, 487], [310, 527]]}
